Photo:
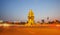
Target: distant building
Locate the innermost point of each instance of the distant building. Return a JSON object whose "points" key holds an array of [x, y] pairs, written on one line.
{"points": [[1, 21], [16, 22]]}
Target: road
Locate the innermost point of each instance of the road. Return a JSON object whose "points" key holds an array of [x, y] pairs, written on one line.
{"points": [[29, 31]]}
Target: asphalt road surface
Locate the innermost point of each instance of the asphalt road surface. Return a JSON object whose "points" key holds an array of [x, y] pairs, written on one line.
{"points": [[29, 31]]}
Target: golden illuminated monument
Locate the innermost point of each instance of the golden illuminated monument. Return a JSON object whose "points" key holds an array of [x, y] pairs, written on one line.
{"points": [[30, 17]]}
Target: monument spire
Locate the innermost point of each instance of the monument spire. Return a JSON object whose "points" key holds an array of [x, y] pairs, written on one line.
{"points": [[30, 13], [30, 17]]}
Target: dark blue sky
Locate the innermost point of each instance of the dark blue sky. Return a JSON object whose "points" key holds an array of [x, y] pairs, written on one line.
{"points": [[17, 10]]}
